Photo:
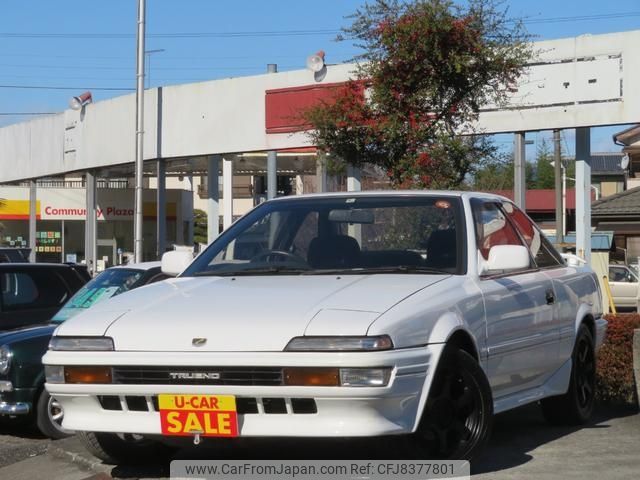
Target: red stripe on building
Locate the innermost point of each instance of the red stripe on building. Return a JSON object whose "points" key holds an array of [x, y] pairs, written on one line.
{"points": [[284, 106]]}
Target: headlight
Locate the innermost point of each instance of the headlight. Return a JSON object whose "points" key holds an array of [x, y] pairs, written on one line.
{"points": [[5, 359], [339, 344], [91, 344]]}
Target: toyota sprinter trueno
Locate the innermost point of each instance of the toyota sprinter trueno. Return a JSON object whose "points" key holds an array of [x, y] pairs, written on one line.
{"points": [[414, 315]]}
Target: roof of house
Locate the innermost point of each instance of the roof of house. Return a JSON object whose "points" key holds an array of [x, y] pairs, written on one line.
{"points": [[607, 163], [543, 200], [623, 203], [628, 135]]}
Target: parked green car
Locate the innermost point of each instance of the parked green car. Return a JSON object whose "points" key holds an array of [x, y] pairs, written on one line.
{"points": [[22, 379]]}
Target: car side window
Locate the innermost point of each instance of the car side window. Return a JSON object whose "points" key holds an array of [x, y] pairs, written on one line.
{"points": [[541, 250], [18, 290], [492, 227], [621, 274], [32, 290]]}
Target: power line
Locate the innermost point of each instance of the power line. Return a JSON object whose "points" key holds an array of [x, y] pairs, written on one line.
{"points": [[11, 114], [578, 18], [102, 67], [111, 36], [47, 87], [279, 33]]}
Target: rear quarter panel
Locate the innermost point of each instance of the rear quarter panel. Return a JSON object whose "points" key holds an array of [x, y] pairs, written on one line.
{"points": [[578, 297]]}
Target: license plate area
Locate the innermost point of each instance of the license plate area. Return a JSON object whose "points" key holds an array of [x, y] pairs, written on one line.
{"points": [[204, 415]]}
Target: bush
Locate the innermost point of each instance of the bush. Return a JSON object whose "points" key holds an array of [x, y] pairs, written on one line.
{"points": [[614, 375]]}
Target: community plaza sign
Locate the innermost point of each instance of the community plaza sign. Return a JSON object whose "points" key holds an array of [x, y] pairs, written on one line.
{"points": [[69, 204]]}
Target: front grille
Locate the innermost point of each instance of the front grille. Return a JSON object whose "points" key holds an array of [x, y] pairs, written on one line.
{"points": [[244, 405], [262, 376]]}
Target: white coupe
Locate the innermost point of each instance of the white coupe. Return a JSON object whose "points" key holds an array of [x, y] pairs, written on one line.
{"points": [[410, 314]]}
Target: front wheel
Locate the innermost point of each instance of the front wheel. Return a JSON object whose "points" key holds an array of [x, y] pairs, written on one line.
{"points": [[49, 415], [457, 418], [576, 406], [114, 449]]}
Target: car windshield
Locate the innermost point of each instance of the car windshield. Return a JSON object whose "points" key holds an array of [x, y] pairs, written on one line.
{"points": [[109, 283], [328, 235]]}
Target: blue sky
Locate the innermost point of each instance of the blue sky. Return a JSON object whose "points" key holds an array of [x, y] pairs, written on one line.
{"points": [[92, 63]]}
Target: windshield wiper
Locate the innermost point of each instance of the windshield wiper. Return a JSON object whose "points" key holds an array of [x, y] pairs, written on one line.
{"points": [[370, 270], [252, 271]]}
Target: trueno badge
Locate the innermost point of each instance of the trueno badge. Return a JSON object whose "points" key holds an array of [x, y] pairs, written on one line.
{"points": [[198, 342]]}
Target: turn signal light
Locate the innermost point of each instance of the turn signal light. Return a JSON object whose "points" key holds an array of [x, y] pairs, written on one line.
{"points": [[312, 377], [87, 374]]}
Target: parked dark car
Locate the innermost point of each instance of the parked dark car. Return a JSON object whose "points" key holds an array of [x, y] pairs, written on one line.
{"points": [[21, 371], [13, 254], [32, 293]]}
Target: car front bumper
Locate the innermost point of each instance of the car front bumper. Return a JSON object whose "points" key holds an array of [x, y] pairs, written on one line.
{"points": [[340, 411], [15, 401]]}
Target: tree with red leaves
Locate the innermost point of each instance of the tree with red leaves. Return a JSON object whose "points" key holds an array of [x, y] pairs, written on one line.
{"points": [[427, 68]]}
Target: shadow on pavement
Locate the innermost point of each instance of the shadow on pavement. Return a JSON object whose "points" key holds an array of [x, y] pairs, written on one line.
{"points": [[515, 435], [518, 432], [20, 427]]}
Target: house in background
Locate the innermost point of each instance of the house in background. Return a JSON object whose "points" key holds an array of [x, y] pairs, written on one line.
{"points": [[620, 213], [607, 174], [629, 140]]}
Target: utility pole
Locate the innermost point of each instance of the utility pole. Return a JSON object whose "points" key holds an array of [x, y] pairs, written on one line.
{"points": [[558, 172], [137, 234]]}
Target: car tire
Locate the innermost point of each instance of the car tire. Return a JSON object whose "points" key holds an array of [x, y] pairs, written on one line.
{"points": [[49, 416], [576, 406], [458, 416], [117, 449]]}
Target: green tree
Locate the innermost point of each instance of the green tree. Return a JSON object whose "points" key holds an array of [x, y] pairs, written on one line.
{"points": [[545, 172], [427, 67], [497, 173], [200, 226]]}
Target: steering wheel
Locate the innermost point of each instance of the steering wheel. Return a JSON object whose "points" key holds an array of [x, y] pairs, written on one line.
{"points": [[279, 253]]}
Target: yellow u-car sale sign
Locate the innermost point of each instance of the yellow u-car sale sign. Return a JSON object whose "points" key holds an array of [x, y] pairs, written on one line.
{"points": [[207, 415]]}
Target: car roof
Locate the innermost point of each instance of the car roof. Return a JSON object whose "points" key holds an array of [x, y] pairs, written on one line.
{"points": [[394, 193], [140, 266], [39, 265]]}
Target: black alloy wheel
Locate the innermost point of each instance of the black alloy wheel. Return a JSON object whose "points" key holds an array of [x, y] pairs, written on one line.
{"points": [[576, 406], [457, 418]]}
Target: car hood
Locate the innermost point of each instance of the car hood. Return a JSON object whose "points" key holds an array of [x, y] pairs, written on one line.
{"points": [[26, 333], [244, 313]]}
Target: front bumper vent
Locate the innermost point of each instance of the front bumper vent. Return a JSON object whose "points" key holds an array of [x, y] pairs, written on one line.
{"points": [[245, 405]]}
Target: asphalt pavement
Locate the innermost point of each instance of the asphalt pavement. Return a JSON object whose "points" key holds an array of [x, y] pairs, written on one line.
{"points": [[523, 446]]}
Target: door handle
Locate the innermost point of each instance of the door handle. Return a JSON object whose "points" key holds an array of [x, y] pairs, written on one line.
{"points": [[551, 297]]}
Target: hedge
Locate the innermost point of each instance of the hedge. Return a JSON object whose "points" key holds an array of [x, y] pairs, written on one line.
{"points": [[614, 374]]}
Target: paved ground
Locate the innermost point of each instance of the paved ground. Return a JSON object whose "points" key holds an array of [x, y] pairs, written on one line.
{"points": [[523, 446]]}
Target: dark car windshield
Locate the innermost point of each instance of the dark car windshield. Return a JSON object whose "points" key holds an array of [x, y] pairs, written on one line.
{"points": [[328, 235], [109, 283]]}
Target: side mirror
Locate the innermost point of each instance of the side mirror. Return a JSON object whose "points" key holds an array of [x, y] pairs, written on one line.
{"points": [[505, 258], [174, 262]]}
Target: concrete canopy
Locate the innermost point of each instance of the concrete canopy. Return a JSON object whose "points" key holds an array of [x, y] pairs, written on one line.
{"points": [[575, 82]]}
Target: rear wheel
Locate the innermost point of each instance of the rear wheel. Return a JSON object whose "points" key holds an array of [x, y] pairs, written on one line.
{"points": [[126, 448], [458, 415], [576, 406]]}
